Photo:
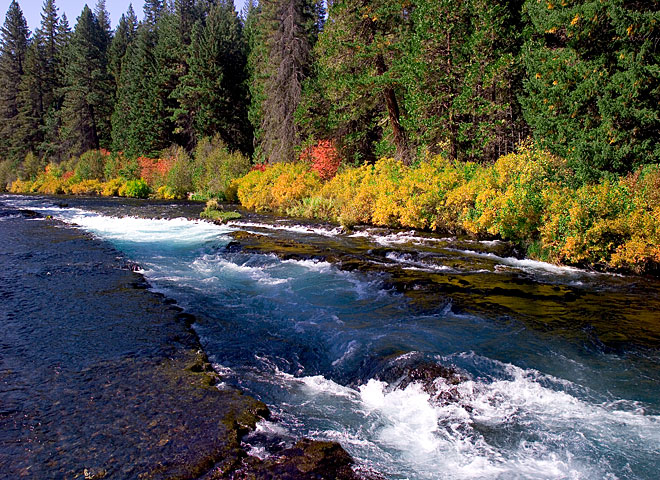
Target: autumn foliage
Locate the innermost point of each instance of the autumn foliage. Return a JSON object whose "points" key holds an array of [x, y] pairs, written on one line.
{"points": [[529, 197], [154, 169], [323, 157]]}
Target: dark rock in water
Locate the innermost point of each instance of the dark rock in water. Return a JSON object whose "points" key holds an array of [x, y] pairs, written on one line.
{"points": [[30, 214], [132, 266], [427, 374], [233, 247], [439, 381], [307, 459]]}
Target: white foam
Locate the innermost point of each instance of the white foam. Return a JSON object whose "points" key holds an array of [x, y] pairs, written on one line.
{"points": [[410, 263], [399, 238], [410, 433], [304, 229], [525, 264], [318, 384], [9, 217], [353, 346], [215, 264], [313, 265]]}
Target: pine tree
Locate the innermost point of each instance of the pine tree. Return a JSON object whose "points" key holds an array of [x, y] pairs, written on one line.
{"points": [[255, 54], [592, 88], [32, 97], [13, 51], [103, 19], [139, 123], [463, 81], [287, 32], [152, 10], [49, 32], [123, 37], [213, 92], [88, 91]]}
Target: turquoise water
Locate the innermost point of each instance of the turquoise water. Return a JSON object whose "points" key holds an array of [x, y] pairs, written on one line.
{"points": [[560, 367]]}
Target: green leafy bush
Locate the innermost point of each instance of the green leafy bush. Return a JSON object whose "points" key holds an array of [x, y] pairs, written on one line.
{"points": [[213, 212], [180, 176], [135, 189], [216, 167], [6, 175], [91, 165]]}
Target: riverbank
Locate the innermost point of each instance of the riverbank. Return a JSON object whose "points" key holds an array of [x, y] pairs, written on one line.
{"points": [[102, 378], [529, 198]]}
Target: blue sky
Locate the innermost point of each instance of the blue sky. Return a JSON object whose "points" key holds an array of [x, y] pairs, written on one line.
{"points": [[72, 8]]}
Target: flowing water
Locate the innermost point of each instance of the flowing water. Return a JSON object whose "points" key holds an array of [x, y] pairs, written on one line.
{"points": [[554, 372]]}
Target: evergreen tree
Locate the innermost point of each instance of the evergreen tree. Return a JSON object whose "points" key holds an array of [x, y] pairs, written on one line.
{"points": [[55, 33], [461, 69], [124, 35], [256, 52], [287, 32], [32, 98], [152, 10], [105, 29], [213, 92], [49, 32], [361, 42], [13, 51], [88, 91], [593, 83], [140, 125]]}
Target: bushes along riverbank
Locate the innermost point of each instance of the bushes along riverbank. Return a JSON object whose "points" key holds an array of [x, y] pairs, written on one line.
{"points": [[529, 197]]}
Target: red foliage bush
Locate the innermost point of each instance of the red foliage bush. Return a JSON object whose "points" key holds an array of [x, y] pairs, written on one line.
{"points": [[324, 158], [261, 167], [154, 168]]}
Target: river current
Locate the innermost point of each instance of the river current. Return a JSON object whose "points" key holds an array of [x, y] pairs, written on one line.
{"points": [[555, 371]]}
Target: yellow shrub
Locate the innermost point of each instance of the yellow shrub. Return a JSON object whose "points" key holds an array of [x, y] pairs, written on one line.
{"points": [[87, 187], [352, 193], [111, 187], [166, 193], [51, 186], [278, 187], [526, 197], [21, 186]]}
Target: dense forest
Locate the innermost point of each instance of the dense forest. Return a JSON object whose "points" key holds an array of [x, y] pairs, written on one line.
{"points": [[534, 121], [400, 78]]}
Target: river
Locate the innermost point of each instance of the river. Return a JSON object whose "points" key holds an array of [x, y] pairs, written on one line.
{"points": [[547, 372]]}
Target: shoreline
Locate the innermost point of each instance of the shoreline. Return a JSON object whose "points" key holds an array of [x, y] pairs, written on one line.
{"points": [[250, 214]]}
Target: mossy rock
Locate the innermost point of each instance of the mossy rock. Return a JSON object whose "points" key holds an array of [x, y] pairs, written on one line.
{"points": [[218, 216]]}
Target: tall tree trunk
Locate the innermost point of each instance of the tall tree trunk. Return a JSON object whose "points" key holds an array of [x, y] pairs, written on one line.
{"points": [[400, 135]]}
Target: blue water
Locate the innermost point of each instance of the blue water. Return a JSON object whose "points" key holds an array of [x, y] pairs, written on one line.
{"points": [[561, 367]]}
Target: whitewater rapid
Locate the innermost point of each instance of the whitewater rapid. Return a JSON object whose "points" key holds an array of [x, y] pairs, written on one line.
{"points": [[310, 340]]}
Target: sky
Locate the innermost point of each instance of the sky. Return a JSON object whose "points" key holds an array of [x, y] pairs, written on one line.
{"points": [[72, 8]]}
